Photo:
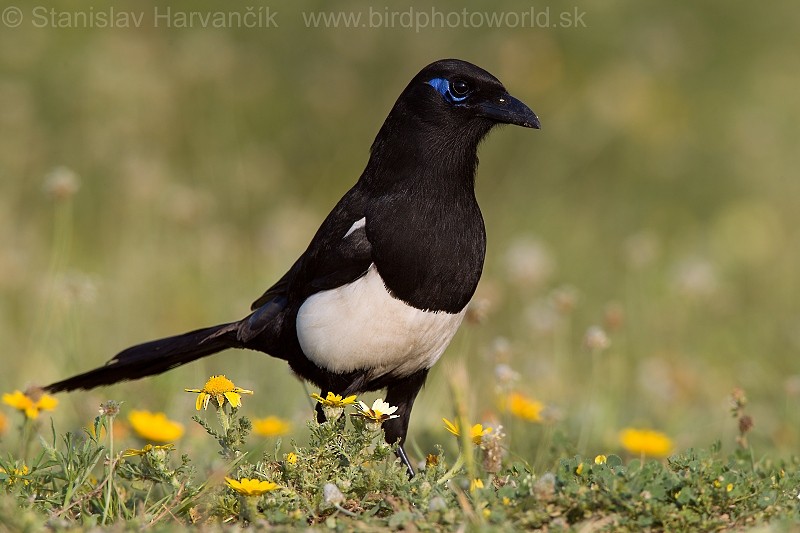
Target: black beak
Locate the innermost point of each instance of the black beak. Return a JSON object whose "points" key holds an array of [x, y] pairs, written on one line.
{"points": [[508, 110]]}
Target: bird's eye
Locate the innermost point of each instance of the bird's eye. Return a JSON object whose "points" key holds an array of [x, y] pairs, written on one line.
{"points": [[455, 91], [459, 88]]}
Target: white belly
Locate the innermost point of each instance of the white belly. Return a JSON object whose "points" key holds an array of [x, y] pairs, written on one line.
{"points": [[362, 326]]}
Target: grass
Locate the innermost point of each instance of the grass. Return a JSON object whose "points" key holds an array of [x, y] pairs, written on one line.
{"points": [[157, 181], [347, 477]]}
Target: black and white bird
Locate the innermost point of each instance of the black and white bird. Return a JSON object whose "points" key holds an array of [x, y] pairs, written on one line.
{"points": [[384, 284]]}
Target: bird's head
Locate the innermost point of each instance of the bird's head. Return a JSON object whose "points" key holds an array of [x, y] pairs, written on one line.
{"points": [[457, 94], [441, 117]]}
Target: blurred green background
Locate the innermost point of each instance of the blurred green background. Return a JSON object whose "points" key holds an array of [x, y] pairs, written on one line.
{"points": [[659, 202]]}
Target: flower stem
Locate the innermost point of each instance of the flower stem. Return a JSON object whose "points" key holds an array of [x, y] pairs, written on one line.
{"points": [[109, 423], [586, 424], [248, 509], [224, 419], [25, 437], [453, 471], [345, 511]]}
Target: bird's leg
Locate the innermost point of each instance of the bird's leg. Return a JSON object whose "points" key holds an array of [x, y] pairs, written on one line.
{"points": [[402, 394], [401, 453], [320, 413]]}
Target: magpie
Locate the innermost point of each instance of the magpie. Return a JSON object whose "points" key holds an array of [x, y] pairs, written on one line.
{"points": [[383, 286]]}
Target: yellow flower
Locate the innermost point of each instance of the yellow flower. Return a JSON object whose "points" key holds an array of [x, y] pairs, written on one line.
{"points": [[579, 469], [155, 426], [291, 458], [251, 487], [379, 412], [271, 426], [475, 484], [431, 459], [600, 459], [729, 487], [30, 404], [132, 452], [523, 407], [476, 433], [645, 442], [452, 427], [16, 472], [334, 400], [221, 389]]}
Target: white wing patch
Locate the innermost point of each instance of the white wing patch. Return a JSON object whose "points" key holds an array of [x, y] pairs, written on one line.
{"points": [[361, 326], [358, 224]]}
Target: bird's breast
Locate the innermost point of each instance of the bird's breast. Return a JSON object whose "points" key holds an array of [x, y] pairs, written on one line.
{"points": [[361, 326], [430, 255]]}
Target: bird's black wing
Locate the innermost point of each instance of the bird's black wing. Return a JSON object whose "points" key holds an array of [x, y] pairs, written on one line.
{"points": [[339, 263], [279, 288], [339, 254]]}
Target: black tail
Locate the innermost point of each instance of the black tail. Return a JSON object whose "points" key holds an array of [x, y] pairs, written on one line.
{"points": [[154, 357]]}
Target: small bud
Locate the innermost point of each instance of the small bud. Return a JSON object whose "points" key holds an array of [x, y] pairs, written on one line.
{"points": [[493, 451], [332, 413], [596, 339], [110, 408], [332, 494], [61, 183], [529, 263], [545, 487], [738, 399], [505, 375], [745, 424], [34, 393], [565, 299], [614, 316], [500, 350], [695, 278]]}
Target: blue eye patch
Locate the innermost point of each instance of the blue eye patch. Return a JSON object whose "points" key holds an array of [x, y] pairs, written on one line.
{"points": [[442, 86]]}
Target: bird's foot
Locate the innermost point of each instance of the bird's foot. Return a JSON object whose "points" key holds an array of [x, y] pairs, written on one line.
{"points": [[401, 453]]}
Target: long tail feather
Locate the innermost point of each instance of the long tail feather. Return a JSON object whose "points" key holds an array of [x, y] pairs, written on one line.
{"points": [[154, 357]]}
